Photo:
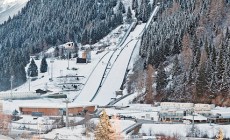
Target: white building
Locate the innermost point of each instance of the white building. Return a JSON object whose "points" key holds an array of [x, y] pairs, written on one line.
{"points": [[203, 107], [166, 105]]}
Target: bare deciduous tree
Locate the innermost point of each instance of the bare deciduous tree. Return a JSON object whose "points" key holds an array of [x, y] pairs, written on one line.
{"points": [[149, 84]]}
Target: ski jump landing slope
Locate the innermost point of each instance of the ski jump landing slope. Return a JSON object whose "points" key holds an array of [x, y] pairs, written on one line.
{"points": [[115, 77], [94, 81]]}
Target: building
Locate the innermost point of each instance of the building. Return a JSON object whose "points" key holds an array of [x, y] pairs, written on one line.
{"points": [[169, 115], [197, 118], [176, 105], [68, 46], [219, 117], [203, 107], [173, 111], [54, 109], [85, 58]]}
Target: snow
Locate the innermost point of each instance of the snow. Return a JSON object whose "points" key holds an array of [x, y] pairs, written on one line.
{"points": [[115, 77], [127, 100], [196, 117], [10, 8], [67, 133], [183, 129], [93, 82], [5, 138], [54, 105]]}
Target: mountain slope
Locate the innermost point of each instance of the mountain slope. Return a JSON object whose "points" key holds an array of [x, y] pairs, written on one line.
{"points": [[42, 24], [189, 46]]}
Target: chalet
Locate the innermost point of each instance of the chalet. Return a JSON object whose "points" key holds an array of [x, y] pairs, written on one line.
{"points": [[55, 109]]}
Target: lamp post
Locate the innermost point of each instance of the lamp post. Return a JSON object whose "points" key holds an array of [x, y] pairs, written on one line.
{"points": [[68, 59], [11, 85], [67, 112], [193, 127], [51, 61], [29, 80]]}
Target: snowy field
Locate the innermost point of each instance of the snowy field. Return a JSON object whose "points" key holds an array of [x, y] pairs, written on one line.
{"points": [[183, 129]]}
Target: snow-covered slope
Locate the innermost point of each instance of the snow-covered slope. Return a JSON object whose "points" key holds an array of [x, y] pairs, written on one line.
{"points": [[116, 75], [10, 8]]}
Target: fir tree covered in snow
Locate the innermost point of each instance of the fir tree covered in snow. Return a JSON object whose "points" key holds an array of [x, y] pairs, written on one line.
{"points": [[220, 135], [191, 39], [33, 69], [104, 129], [44, 66], [129, 15]]}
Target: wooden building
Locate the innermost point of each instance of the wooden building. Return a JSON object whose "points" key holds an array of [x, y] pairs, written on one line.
{"points": [[53, 109]]}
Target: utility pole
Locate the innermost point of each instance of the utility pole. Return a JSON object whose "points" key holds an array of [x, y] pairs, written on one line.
{"points": [[11, 85], [67, 112]]}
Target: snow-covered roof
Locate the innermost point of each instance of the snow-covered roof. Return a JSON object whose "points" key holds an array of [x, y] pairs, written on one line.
{"points": [[197, 117], [56, 105]]}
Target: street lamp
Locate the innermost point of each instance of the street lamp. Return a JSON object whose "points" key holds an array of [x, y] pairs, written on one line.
{"points": [[193, 127], [51, 61], [11, 85], [29, 80], [68, 59]]}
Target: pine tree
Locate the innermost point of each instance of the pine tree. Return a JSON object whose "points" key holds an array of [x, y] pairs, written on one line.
{"points": [[134, 4], [56, 52], [201, 81], [33, 69], [43, 67], [220, 135], [220, 64], [161, 78], [121, 7], [104, 130], [176, 70], [129, 15], [149, 85]]}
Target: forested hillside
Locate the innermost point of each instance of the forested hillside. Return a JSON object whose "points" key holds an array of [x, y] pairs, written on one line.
{"points": [[45, 23], [189, 47]]}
